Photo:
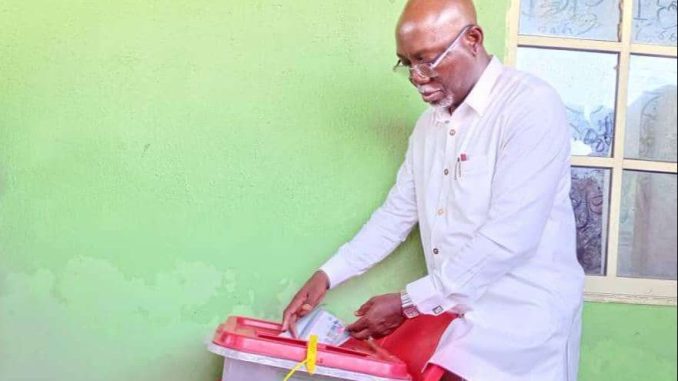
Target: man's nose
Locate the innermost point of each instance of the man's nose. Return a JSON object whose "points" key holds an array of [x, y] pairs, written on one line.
{"points": [[418, 80]]}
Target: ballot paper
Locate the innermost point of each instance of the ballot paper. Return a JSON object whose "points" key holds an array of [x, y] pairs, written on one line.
{"points": [[329, 329]]}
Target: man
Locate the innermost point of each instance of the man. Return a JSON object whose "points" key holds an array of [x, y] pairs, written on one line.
{"points": [[487, 177]]}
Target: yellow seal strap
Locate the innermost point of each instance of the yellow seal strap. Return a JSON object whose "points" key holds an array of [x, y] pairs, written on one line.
{"points": [[310, 361]]}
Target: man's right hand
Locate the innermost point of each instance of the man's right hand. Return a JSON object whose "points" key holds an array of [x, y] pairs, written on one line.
{"points": [[307, 299]]}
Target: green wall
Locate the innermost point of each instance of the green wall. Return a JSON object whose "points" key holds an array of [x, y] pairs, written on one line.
{"points": [[166, 164], [624, 342]]}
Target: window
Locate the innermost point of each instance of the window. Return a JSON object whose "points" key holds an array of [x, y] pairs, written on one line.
{"points": [[614, 64]]}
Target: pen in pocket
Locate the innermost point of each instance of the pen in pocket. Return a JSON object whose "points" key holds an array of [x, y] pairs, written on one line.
{"points": [[458, 169]]}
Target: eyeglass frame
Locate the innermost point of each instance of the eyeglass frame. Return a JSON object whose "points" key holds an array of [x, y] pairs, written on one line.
{"points": [[436, 61]]}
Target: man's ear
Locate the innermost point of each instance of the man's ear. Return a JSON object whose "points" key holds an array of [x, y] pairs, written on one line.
{"points": [[475, 38]]}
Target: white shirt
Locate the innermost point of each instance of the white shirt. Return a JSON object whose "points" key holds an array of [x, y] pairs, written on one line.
{"points": [[489, 186]]}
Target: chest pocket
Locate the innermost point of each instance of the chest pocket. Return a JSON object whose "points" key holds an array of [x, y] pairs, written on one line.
{"points": [[477, 165], [472, 186]]}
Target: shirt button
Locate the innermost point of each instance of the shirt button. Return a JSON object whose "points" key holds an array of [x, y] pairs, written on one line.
{"points": [[441, 212], [447, 172], [436, 251], [453, 132]]}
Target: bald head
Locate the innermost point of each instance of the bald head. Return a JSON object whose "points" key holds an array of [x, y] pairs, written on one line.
{"points": [[435, 33], [438, 16]]}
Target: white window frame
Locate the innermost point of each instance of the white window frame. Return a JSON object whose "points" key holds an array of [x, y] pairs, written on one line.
{"points": [[611, 287]]}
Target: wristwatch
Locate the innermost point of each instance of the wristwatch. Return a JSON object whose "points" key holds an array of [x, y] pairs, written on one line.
{"points": [[409, 309]]}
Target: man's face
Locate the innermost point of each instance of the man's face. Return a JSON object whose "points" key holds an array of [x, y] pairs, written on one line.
{"points": [[421, 46]]}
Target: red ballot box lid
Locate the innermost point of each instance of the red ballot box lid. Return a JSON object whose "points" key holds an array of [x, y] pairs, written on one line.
{"points": [[262, 338]]}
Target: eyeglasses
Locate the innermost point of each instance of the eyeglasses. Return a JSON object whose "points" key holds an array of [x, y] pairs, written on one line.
{"points": [[428, 70]]}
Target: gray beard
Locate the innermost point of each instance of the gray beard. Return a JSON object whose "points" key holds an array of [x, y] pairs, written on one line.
{"points": [[446, 103]]}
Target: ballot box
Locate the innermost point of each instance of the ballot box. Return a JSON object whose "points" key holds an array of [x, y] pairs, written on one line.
{"points": [[254, 350]]}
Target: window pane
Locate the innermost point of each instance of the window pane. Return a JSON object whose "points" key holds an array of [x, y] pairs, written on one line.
{"points": [[654, 22], [647, 237], [587, 82], [594, 20], [590, 200], [651, 121]]}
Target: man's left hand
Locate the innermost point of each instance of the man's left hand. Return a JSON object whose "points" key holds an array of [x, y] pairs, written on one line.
{"points": [[379, 317]]}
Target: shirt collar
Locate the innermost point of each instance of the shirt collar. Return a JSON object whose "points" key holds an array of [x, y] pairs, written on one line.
{"points": [[479, 98]]}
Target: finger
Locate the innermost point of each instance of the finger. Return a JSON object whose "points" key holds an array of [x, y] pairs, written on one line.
{"points": [[305, 309], [358, 325], [314, 298], [287, 316], [292, 309], [361, 335], [293, 326], [364, 308], [296, 303]]}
